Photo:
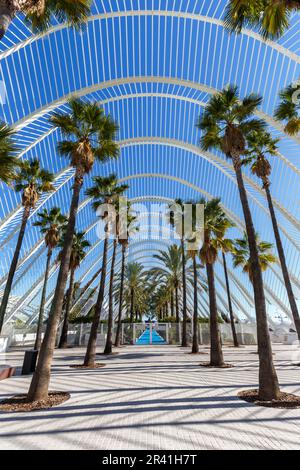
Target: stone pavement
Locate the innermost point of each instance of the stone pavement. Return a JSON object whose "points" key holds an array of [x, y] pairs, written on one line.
{"points": [[155, 397]]}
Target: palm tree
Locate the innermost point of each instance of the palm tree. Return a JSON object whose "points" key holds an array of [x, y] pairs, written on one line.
{"points": [[171, 272], [8, 163], [38, 13], [177, 221], [261, 145], [51, 223], [227, 122], [90, 136], [215, 226], [193, 236], [242, 257], [135, 301], [288, 110], [105, 192], [226, 246], [195, 342], [79, 246], [118, 223], [131, 228], [271, 17], [31, 180], [134, 284], [160, 300]]}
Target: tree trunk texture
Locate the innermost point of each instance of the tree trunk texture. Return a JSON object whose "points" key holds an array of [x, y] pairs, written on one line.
{"points": [[234, 335], [176, 305], [172, 304], [63, 342], [41, 378], [184, 342], [268, 381], [118, 332], [216, 354], [285, 272], [8, 10], [90, 354], [38, 339], [195, 346], [108, 345]]}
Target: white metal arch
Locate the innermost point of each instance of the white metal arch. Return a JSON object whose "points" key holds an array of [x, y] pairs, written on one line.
{"points": [[161, 13], [211, 158]]}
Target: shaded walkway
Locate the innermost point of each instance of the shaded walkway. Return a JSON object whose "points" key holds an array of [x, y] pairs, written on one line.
{"points": [[155, 398]]}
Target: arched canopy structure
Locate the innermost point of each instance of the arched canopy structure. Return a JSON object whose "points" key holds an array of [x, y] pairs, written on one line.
{"points": [[152, 64]]}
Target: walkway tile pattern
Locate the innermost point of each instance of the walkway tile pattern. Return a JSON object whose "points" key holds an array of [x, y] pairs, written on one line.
{"points": [[155, 398]]}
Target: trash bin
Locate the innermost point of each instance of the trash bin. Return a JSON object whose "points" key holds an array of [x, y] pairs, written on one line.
{"points": [[29, 362]]}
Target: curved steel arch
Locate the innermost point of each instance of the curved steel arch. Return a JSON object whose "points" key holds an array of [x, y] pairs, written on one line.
{"points": [[160, 13], [217, 162], [137, 79], [137, 95]]}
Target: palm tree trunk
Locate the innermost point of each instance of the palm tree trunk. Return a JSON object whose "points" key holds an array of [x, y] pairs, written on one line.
{"points": [[216, 354], [184, 312], [285, 273], [176, 305], [108, 346], [63, 342], [268, 381], [195, 346], [118, 332], [7, 13], [234, 335], [172, 303], [131, 305], [90, 355], [38, 339], [41, 378], [13, 266], [177, 315]]}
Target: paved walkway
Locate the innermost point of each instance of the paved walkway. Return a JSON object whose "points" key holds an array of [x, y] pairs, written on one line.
{"points": [[155, 398]]}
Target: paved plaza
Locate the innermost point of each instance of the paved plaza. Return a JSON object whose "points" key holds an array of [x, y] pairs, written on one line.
{"points": [[156, 398]]}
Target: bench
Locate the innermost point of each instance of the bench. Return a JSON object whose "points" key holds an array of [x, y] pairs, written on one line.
{"points": [[6, 372]]}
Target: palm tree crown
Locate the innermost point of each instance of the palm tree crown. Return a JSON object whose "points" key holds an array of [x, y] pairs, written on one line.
{"points": [[241, 255], [106, 190], [288, 110], [171, 272], [38, 12], [90, 134], [216, 224], [227, 122], [32, 181], [271, 17], [79, 246], [51, 224], [8, 162], [260, 146], [134, 275]]}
